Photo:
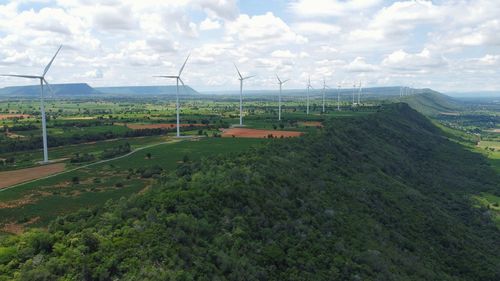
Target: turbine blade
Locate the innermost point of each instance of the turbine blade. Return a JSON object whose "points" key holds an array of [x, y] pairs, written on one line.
{"points": [[22, 76], [241, 77], [184, 65], [163, 76], [180, 80], [279, 79], [49, 87], [51, 61], [286, 81], [248, 77]]}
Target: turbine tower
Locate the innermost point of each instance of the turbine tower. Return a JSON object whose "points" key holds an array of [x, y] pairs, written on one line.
{"points": [[339, 85], [279, 99], [354, 86], [42, 103], [241, 92], [324, 92], [177, 79], [359, 93], [308, 87]]}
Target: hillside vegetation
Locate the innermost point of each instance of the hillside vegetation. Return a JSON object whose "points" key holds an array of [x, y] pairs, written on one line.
{"points": [[432, 103], [380, 197]]}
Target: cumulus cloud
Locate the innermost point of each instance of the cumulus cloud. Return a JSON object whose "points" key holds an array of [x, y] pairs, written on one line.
{"points": [[322, 8], [264, 29], [420, 62], [359, 64], [209, 24], [385, 42]]}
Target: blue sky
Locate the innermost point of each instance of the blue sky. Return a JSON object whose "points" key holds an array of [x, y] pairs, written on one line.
{"points": [[448, 45]]}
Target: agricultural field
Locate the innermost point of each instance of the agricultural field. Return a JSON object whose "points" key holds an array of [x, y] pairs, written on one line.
{"points": [[113, 148]]}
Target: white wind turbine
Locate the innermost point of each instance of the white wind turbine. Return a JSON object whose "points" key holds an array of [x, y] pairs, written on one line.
{"points": [[42, 104], [354, 86], [324, 92], [308, 87], [339, 85], [359, 93], [178, 79], [241, 92], [279, 99]]}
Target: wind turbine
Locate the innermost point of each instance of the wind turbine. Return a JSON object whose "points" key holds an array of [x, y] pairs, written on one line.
{"points": [[42, 104], [241, 92], [359, 93], [177, 79], [339, 85], [279, 99], [324, 92], [308, 87], [354, 86]]}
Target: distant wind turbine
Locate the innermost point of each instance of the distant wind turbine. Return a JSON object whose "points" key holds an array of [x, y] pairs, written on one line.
{"points": [[339, 85], [308, 87], [279, 99], [324, 92], [241, 92], [359, 93], [354, 86], [42, 103], [177, 79]]}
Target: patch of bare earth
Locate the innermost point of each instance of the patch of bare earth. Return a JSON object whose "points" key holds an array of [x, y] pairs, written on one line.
{"points": [[11, 116], [9, 178], [16, 203], [255, 133], [18, 228], [311, 124]]}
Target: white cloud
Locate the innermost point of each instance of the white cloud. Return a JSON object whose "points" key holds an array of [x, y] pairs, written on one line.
{"points": [[386, 42], [209, 24], [419, 62], [317, 28], [359, 64], [322, 8], [263, 29]]}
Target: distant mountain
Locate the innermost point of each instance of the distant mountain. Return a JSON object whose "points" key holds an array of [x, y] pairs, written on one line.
{"points": [[75, 89], [432, 103], [146, 90], [478, 94], [375, 92]]}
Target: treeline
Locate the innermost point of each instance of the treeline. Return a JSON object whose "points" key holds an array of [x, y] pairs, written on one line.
{"points": [[36, 142], [381, 197]]}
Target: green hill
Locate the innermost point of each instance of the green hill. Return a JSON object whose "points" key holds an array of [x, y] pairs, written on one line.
{"points": [[432, 103], [380, 197]]}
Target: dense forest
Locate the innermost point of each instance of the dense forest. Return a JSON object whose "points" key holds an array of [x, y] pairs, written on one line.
{"points": [[381, 197]]}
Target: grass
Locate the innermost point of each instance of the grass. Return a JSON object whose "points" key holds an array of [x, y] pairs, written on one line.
{"points": [[492, 203]]}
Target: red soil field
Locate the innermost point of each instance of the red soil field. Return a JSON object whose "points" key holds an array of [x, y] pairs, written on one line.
{"points": [[254, 133], [10, 116], [158, 126], [9, 178]]}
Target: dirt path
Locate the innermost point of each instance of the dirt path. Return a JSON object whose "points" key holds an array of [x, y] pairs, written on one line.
{"points": [[9, 178]]}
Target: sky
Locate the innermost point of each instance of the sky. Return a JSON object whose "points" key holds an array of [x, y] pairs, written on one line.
{"points": [[446, 45]]}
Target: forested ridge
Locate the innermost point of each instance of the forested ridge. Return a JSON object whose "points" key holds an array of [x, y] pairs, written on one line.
{"points": [[380, 197]]}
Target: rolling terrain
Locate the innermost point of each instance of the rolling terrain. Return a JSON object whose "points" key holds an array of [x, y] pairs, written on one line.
{"points": [[379, 197]]}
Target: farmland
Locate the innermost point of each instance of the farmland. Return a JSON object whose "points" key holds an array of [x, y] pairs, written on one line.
{"points": [[112, 148]]}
